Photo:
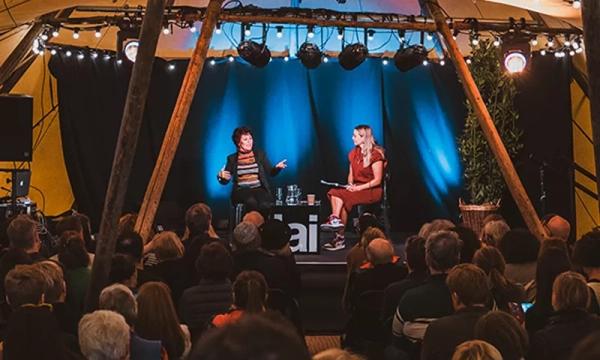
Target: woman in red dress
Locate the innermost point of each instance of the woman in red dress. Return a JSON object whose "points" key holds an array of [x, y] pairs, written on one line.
{"points": [[365, 184]]}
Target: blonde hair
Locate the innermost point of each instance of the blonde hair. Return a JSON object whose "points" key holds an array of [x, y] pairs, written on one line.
{"points": [[167, 246], [336, 354], [371, 234], [570, 291], [369, 145], [476, 350]]}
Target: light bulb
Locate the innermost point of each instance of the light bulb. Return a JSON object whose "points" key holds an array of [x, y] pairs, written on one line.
{"points": [[543, 52], [171, 66], [286, 58], [44, 36], [166, 31], [76, 34], [534, 42], [442, 63], [53, 51], [55, 33], [385, 62], [68, 53], [429, 36], [576, 4], [98, 34], [425, 62]]}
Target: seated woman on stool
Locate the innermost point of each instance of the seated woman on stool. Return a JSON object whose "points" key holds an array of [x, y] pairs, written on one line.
{"points": [[365, 184], [249, 168]]}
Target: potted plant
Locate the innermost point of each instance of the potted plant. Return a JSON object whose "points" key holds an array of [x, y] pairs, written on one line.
{"points": [[482, 175]]}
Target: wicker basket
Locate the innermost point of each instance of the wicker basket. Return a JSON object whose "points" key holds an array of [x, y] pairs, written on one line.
{"points": [[473, 215]]}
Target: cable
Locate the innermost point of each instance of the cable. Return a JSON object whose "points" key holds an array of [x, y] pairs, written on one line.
{"points": [[10, 13], [385, 43], [43, 196], [45, 132]]}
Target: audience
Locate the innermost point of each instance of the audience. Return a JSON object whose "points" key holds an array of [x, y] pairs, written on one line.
{"points": [[588, 348], [169, 251], [503, 291], [476, 350], [469, 287], [104, 335], [90, 244], [493, 231], [337, 354], [249, 297], [587, 255], [556, 226], [367, 230], [254, 217], [22, 234], [24, 285], [470, 243], [73, 255], [73, 223], [123, 271], [504, 332], [435, 226], [520, 250], [132, 245], [570, 323], [157, 320]]}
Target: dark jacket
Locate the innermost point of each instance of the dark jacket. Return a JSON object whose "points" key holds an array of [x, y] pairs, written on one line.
{"points": [[264, 167], [172, 272], [393, 293], [200, 303], [67, 318], [445, 334], [376, 278], [193, 247], [293, 281], [565, 329], [267, 264]]}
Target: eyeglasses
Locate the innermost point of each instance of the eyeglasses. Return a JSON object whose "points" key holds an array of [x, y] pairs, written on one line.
{"points": [[49, 306]]}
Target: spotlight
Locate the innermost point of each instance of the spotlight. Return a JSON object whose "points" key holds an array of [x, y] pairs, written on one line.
{"points": [[579, 50], [68, 53], [534, 41], [353, 55], [106, 57], [425, 62], [371, 35], [119, 61], [279, 31], [567, 42], [497, 41], [310, 55], [130, 50], [254, 53], [53, 51], [98, 34], [218, 30], [248, 29], [55, 32], [576, 44], [576, 4], [171, 66], [515, 62], [76, 34], [340, 34], [36, 46], [410, 57], [429, 36], [543, 52], [311, 31], [401, 34]]}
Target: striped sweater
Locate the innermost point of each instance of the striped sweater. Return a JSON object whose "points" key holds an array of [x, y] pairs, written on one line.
{"points": [[247, 171]]}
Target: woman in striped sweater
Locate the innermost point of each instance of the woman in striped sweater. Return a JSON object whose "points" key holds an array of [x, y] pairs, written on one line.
{"points": [[249, 169]]}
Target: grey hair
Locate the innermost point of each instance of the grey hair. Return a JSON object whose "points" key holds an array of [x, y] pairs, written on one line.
{"points": [[246, 236], [494, 231], [104, 335], [435, 226], [120, 299], [442, 250]]}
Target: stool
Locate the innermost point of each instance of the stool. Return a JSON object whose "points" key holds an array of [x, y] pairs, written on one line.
{"points": [[236, 216], [383, 205]]}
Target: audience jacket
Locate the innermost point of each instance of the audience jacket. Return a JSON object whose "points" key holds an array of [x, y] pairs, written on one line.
{"points": [[193, 246], [445, 334], [171, 271], [265, 263], [67, 318], [140, 349], [565, 329], [293, 280], [199, 304], [376, 278], [394, 292]]}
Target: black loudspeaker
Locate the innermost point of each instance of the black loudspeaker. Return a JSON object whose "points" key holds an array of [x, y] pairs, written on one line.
{"points": [[16, 134]]}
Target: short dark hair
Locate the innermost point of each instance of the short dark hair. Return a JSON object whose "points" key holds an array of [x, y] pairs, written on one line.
{"points": [[442, 250], [122, 268], [71, 250], [54, 277], [519, 246], [69, 223], [21, 232], [130, 244], [197, 219], [504, 332], [366, 221], [415, 254], [470, 284], [470, 243], [587, 250], [87, 232], [24, 285], [236, 137], [215, 262]]}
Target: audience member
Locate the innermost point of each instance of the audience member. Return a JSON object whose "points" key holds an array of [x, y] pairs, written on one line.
{"points": [[520, 250], [157, 320], [435, 226], [493, 231], [249, 256], [554, 242], [503, 291], [470, 243], [131, 244], [356, 256], [337, 354], [169, 254], [22, 234], [556, 226], [275, 238], [123, 271], [587, 255], [104, 335], [24, 285], [11, 258], [73, 255], [492, 217], [570, 323], [588, 348], [469, 286], [431, 300], [476, 350], [72, 224], [254, 217], [504, 332], [90, 244], [249, 297]]}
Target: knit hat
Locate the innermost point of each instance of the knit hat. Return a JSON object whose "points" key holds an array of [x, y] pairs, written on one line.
{"points": [[245, 233], [274, 234]]}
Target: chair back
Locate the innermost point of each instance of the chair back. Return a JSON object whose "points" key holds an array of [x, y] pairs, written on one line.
{"points": [[287, 306], [367, 313]]}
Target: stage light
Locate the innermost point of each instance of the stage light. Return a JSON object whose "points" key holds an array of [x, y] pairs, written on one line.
{"points": [[287, 58], [254, 53], [353, 55], [371, 35], [171, 66], [515, 62], [310, 55], [98, 34], [53, 51], [577, 4], [401, 36], [248, 29], [106, 57], [131, 49], [55, 32], [543, 52], [119, 61], [410, 57], [45, 36], [340, 34], [534, 41], [279, 31], [76, 34], [311, 31], [68, 53], [576, 44], [36, 46], [218, 30], [567, 42], [496, 41], [429, 36]]}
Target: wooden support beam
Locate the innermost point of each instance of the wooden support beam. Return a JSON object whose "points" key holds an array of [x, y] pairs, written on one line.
{"points": [[126, 144], [487, 125], [21, 51], [16, 75], [590, 12], [178, 119]]}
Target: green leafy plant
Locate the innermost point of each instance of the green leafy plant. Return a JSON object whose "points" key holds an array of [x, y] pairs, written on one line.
{"points": [[482, 174]]}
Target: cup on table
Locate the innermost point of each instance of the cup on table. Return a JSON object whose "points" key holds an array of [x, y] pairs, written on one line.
{"points": [[311, 199]]}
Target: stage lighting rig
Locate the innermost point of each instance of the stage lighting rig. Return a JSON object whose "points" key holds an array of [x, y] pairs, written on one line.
{"points": [[353, 55], [409, 58], [516, 50], [310, 55], [254, 53]]}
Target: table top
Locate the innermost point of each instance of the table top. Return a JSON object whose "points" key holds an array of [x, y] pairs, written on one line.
{"points": [[302, 203]]}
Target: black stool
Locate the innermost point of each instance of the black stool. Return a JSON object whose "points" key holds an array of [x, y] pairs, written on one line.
{"points": [[380, 209]]}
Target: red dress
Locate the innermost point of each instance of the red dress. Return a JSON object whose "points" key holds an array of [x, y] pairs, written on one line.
{"points": [[361, 175]]}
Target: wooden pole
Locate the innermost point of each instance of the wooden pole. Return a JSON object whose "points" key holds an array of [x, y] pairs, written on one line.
{"points": [[590, 13], [126, 144], [22, 50], [485, 120], [178, 119]]}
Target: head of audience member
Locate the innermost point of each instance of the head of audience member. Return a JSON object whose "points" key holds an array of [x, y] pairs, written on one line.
{"points": [[379, 252], [24, 284], [366, 221], [490, 260], [255, 218], [246, 237], [252, 337], [104, 335], [519, 246], [123, 271], [556, 226], [504, 332], [337, 354], [275, 237], [22, 234], [435, 226], [250, 292], [198, 219], [551, 263], [214, 263], [470, 243], [492, 217], [369, 235], [442, 251], [131, 244], [87, 231], [157, 318], [71, 251], [554, 242], [587, 254], [69, 223], [167, 246], [119, 298], [588, 348], [12, 258], [476, 350], [38, 324], [424, 230], [570, 292], [468, 285], [127, 226], [55, 289], [414, 254], [493, 231]]}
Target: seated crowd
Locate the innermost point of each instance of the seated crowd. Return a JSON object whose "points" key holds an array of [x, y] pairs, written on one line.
{"points": [[452, 294]]}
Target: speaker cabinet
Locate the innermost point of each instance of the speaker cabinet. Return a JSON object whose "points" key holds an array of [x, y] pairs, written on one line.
{"points": [[16, 133]]}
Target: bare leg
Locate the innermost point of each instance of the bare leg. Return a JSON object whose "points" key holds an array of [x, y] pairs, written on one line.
{"points": [[344, 218], [337, 205]]}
